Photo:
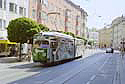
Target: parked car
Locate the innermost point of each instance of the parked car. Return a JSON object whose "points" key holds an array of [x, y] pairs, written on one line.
{"points": [[109, 50]]}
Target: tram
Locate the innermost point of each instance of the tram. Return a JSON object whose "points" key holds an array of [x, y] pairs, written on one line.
{"points": [[50, 47], [80, 48]]}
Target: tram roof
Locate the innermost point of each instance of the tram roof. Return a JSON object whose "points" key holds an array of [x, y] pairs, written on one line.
{"points": [[77, 39], [57, 34]]}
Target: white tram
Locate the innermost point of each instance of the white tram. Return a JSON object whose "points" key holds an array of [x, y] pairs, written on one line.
{"points": [[49, 47]]}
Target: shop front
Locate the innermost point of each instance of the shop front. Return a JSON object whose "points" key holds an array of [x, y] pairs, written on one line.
{"points": [[5, 46]]}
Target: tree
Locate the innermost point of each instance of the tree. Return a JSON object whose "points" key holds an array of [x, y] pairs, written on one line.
{"points": [[91, 42], [85, 40], [43, 28], [69, 33], [21, 30]]}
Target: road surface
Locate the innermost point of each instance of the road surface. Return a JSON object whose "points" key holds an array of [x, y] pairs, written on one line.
{"points": [[100, 68]]}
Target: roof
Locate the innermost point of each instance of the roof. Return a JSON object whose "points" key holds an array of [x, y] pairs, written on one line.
{"points": [[76, 6], [57, 34]]}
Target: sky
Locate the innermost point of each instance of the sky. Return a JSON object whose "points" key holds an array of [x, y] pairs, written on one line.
{"points": [[101, 12]]}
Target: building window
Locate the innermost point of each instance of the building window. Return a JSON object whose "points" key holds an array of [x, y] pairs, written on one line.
{"points": [[44, 15], [21, 10], [0, 3], [15, 8], [24, 11], [0, 23], [39, 1], [45, 2], [33, 13], [40, 15], [11, 8], [4, 23], [4, 4]]}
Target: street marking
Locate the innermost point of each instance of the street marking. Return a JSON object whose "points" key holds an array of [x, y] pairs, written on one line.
{"points": [[93, 77], [39, 82], [103, 64], [43, 73], [88, 82]]}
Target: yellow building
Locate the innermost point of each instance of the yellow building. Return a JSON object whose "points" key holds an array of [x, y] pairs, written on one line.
{"points": [[105, 38]]}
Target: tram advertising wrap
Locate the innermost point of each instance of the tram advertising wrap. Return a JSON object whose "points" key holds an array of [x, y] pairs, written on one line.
{"points": [[49, 47]]}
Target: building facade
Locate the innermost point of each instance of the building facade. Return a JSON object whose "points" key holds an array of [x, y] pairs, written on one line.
{"points": [[105, 38], [11, 9], [33, 9], [63, 15], [94, 36], [118, 26]]}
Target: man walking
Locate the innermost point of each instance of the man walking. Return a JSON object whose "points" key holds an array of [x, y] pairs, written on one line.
{"points": [[122, 50]]}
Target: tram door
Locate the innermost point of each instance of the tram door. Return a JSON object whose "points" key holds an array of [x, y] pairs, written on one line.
{"points": [[53, 47]]}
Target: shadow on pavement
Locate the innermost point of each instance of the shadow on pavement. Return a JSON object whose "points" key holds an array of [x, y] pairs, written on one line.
{"points": [[8, 59], [34, 67]]}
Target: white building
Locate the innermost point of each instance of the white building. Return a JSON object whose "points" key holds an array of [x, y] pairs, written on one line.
{"points": [[118, 26], [94, 36], [11, 9]]}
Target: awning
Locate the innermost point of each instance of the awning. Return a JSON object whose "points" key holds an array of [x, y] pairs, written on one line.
{"points": [[6, 42]]}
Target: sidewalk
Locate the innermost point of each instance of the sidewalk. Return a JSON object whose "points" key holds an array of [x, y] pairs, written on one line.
{"points": [[122, 71], [88, 52]]}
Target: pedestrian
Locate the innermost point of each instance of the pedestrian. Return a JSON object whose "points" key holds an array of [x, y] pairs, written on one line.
{"points": [[122, 50], [29, 52]]}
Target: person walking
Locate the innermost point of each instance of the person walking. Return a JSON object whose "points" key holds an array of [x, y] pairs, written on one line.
{"points": [[122, 50]]}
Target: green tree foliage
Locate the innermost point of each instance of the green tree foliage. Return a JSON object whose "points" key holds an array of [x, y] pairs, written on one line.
{"points": [[69, 33], [22, 29], [91, 42], [43, 28], [73, 35], [85, 40]]}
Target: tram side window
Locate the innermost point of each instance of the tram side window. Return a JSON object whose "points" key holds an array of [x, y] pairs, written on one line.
{"points": [[53, 45], [44, 44], [37, 44]]}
